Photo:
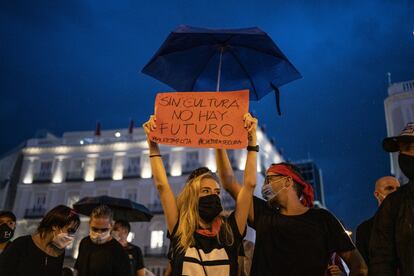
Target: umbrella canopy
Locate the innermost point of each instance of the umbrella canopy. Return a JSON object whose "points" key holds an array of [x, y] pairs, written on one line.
{"points": [[198, 59], [124, 209]]}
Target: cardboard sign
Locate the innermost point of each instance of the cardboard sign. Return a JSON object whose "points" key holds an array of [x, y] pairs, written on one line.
{"points": [[201, 119]]}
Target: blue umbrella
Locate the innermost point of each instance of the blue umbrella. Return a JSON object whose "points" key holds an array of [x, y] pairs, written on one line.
{"points": [[198, 59], [124, 209]]}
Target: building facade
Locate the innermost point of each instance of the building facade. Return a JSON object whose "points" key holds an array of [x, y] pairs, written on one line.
{"points": [[62, 170], [313, 175], [399, 110]]}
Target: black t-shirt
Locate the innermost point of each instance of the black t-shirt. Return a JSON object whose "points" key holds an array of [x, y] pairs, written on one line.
{"points": [[363, 235], [295, 245], [7, 245], [136, 261], [23, 257], [208, 254], [108, 259]]}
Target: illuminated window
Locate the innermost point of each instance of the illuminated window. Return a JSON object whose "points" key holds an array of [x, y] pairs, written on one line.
{"points": [[157, 238], [72, 198]]}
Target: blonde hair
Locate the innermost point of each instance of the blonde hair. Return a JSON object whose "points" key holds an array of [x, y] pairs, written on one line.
{"points": [[189, 219]]}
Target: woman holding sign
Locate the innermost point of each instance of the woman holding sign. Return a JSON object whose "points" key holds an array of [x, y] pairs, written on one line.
{"points": [[203, 241]]}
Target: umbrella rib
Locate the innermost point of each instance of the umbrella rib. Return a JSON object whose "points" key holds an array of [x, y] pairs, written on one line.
{"points": [[208, 60], [202, 70], [245, 71]]}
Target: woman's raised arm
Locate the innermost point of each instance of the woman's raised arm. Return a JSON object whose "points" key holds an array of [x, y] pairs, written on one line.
{"points": [[245, 196], [167, 196]]}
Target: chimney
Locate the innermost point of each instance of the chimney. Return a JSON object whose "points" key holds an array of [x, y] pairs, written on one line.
{"points": [[131, 126], [98, 129]]}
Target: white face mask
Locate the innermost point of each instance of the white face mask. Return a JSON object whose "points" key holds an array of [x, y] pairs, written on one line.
{"points": [[116, 236], [267, 189], [99, 238], [63, 240], [268, 193]]}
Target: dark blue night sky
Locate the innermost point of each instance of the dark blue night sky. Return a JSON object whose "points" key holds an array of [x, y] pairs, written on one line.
{"points": [[67, 64]]}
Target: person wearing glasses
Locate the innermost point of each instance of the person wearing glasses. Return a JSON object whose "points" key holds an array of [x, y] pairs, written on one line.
{"points": [[203, 241], [99, 253], [292, 237], [43, 252]]}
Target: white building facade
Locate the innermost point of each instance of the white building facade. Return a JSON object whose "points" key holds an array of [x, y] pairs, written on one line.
{"points": [[399, 110], [63, 170]]}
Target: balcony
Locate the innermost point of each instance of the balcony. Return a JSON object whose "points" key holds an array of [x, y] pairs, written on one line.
{"points": [[132, 172], [103, 174], [74, 176], [42, 177], [155, 252], [34, 213]]}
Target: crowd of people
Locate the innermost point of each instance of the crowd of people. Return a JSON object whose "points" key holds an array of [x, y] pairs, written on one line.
{"points": [[105, 252], [293, 237]]}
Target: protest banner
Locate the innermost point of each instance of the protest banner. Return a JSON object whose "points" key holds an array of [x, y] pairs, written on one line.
{"points": [[201, 119]]}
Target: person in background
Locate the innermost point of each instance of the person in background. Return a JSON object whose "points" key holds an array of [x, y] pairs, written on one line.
{"points": [[7, 227], [120, 233], [43, 252], [391, 247], [292, 238], [99, 253], [383, 187]]}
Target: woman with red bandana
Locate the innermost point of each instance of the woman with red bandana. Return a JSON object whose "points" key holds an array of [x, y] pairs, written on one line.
{"points": [[292, 238], [203, 242]]}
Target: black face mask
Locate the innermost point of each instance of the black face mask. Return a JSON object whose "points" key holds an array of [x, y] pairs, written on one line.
{"points": [[406, 163], [6, 233], [209, 207]]}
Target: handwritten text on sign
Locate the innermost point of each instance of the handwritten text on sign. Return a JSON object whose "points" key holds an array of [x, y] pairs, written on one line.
{"points": [[201, 119]]}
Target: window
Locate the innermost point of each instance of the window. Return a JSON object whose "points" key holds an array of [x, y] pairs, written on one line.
{"points": [[72, 198], [39, 201], [130, 237], [157, 238], [77, 169], [45, 170], [38, 208], [105, 167], [133, 166], [78, 165]]}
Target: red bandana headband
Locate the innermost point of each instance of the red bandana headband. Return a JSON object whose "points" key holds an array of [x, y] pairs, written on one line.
{"points": [[283, 169]]}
